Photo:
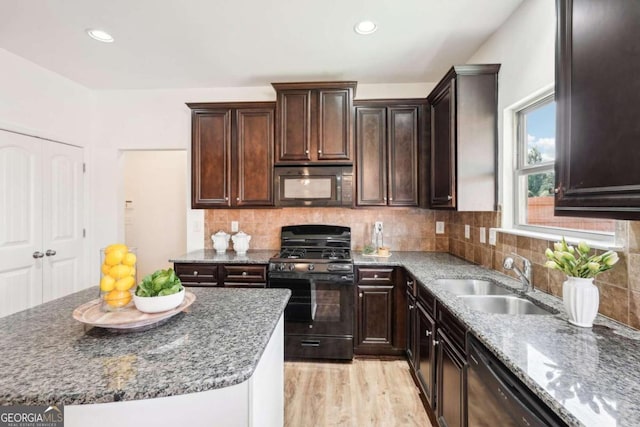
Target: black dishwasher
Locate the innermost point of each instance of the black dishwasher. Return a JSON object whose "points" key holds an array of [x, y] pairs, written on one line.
{"points": [[495, 397]]}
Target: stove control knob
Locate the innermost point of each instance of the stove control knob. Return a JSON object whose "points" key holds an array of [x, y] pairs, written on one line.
{"points": [[311, 267], [280, 267], [292, 267]]}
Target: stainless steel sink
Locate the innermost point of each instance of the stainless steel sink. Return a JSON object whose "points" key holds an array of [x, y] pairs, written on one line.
{"points": [[502, 304], [472, 287]]}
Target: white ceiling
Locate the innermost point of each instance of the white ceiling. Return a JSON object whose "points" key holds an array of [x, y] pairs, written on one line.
{"points": [[213, 43]]}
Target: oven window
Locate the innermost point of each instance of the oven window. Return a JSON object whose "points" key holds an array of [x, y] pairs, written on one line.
{"points": [[328, 306], [308, 187]]}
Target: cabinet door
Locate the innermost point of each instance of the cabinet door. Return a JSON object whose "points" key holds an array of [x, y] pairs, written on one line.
{"points": [[253, 165], [425, 356], [211, 159], [443, 165], [293, 130], [375, 316], [597, 156], [371, 181], [402, 142], [412, 333], [334, 124], [21, 251], [451, 405]]}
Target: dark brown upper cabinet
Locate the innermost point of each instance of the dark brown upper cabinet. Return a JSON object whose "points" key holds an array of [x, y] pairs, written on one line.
{"points": [[464, 141], [597, 87], [314, 123], [390, 152], [232, 154]]}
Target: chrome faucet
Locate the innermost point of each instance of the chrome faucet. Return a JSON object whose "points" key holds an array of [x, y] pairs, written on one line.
{"points": [[524, 275]]}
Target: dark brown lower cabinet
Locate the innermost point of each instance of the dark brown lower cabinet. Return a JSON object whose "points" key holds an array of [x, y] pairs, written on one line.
{"points": [[227, 275], [451, 379], [375, 307], [411, 323], [380, 312], [425, 354]]}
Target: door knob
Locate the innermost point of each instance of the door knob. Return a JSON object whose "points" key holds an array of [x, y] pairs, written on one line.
{"points": [[38, 254], [50, 252]]}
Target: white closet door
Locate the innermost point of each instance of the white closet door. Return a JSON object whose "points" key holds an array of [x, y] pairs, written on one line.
{"points": [[20, 222], [62, 227]]}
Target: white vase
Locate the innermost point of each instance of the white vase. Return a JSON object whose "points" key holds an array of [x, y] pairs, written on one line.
{"points": [[581, 300]]}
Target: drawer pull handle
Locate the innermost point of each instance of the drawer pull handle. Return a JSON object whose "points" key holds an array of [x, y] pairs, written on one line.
{"points": [[310, 343], [375, 276], [244, 273], [195, 272]]}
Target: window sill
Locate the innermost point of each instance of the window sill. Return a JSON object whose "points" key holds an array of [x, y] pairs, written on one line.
{"points": [[597, 244]]}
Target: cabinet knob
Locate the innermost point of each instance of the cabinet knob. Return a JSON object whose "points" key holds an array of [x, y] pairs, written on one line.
{"points": [[319, 151], [238, 199], [556, 190], [306, 151], [427, 333], [50, 252], [226, 198], [244, 273], [435, 342], [391, 199], [360, 294], [38, 254], [384, 198], [195, 273], [449, 197], [411, 306], [375, 276], [409, 282]]}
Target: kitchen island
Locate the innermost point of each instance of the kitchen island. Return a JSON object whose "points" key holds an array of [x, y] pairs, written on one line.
{"points": [[220, 362]]}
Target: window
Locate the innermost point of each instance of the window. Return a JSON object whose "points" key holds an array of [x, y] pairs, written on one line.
{"points": [[534, 178]]}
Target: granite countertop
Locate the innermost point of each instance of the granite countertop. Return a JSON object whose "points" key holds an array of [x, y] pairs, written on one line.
{"points": [[46, 356], [260, 256], [588, 376]]}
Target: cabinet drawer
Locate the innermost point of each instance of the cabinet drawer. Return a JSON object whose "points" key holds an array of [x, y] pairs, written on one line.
{"points": [[427, 299], [315, 346], [453, 328], [197, 274], [375, 276], [244, 273]]}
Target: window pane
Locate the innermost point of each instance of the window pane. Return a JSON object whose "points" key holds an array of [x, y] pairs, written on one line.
{"points": [[538, 207], [540, 131]]}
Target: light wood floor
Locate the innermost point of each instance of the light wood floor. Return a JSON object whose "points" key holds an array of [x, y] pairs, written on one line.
{"points": [[362, 393]]}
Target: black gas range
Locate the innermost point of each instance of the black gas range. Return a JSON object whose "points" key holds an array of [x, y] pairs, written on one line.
{"points": [[315, 264]]}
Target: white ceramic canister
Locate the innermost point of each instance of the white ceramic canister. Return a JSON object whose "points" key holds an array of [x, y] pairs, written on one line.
{"points": [[241, 242], [220, 241]]}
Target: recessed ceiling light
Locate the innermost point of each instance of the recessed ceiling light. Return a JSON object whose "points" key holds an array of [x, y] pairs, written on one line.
{"points": [[100, 35], [365, 27]]}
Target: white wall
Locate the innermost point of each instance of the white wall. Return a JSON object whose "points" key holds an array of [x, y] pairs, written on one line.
{"points": [[525, 46], [38, 102]]}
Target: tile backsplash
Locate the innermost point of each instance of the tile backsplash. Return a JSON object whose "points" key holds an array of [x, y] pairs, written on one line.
{"points": [[405, 229], [413, 229]]}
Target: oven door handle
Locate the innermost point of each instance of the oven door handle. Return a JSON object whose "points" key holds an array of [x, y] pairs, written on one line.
{"points": [[310, 343]]}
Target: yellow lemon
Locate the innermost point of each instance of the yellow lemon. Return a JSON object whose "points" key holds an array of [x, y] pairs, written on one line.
{"points": [[117, 298], [116, 247], [105, 268], [107, 283], [114, 257], [129, 259], [119, 271], [133, 272], [125, 283]]}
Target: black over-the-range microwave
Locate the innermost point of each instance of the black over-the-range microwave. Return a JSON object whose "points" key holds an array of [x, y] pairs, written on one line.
{"points": [[314, 186]]}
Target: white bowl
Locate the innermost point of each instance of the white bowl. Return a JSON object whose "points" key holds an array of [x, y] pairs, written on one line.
{"points": [[158, 304]]}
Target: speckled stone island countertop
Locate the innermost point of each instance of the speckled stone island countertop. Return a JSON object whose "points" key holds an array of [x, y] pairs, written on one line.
{"points": [[46, 356], [588, 376]]}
